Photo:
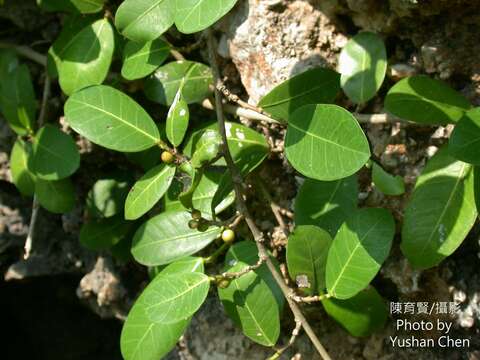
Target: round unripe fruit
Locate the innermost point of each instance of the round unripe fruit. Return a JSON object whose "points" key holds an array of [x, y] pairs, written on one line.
{"points": [[202, 225], [193, 224], [223, 284], [167, 157], [196, 214], [228, 235]]}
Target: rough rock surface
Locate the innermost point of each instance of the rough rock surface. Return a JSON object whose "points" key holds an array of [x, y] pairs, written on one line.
{"points": [[269, 41]]}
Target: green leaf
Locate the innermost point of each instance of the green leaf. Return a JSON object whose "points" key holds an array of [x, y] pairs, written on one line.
{"points": [[17, 97], [167, 237], [141, 59], [247, 147], [172, 298], [315, 86], [325, 142], [202, 196], [206, 148], [465, 140], [143, 339], [251, 304], [111, 119], [186, 197], [54, 154], [386, 183], [177, 120], [163, 85], [360, 247], [196, 15], [23, 179], [144, 20], [55, 196], [307, 250], [81, 6], [360, 315], [441, 211], [247, 253], [71, 30], [148, 191], [107, 197], [104, 233], [363, 65], [426, 101], [86, 60], [326, 204], [476, 186]]}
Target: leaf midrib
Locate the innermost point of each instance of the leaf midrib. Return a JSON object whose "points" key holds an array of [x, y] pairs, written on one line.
{"points": [[325, 140], [115, 117], [351, 256]]}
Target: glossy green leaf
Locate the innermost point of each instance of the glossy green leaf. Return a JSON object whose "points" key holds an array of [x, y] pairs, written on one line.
{"points": [[144, 20], [386, 183], [54, 154], [358, 250], [326, 204], [104, 233], [441, 211], [476, 186], [55, 196], [111, 119], [206, 148], [363, 65], [23, 179], [17, 97], [172, 298], [315, 86], [360, 315], [251, 304], [307, 250], [72, 28], [325, 142], [148, 191], [464, 142], [177, 120], [107, 197], [163, 85], [247, 253], [426, 101], [81, 6], [141, 59], [167, 237], [186, 197], [202, 196], [86, 60], [143, 339], [196, 15]]}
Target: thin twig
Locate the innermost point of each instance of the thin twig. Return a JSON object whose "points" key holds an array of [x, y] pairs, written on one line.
{"points": [[309, 299], [295, 333], [26, 52], [236, 99], [242, 208], [35, 204], [253, 113], [276, 209], [245, 270], [240, 112]]}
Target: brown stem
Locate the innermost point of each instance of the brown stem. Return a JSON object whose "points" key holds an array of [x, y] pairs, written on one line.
{"points": [[35, 204], [242, 208], [276, 209], [26, 52], [295, 333]]}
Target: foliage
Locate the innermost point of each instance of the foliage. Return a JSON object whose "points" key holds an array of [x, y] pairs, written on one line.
{"points": [[179, 209]]}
